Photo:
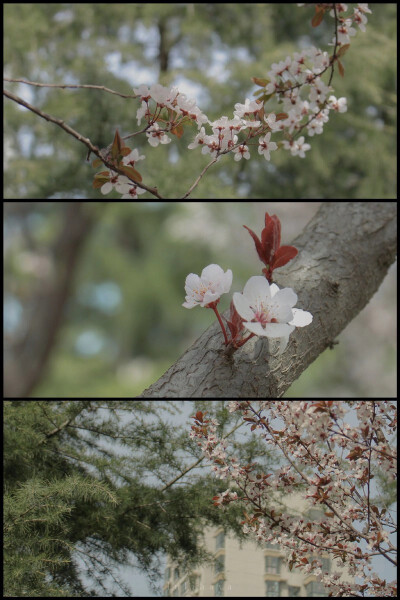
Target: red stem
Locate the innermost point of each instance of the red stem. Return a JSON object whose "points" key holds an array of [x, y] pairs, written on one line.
{"points": [[215, 309], [245, 340]]}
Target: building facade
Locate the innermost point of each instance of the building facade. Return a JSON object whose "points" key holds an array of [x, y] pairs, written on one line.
{"points": [[243, 569]]}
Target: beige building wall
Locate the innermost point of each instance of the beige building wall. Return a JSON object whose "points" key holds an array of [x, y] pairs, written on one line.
{"points": [[243, 569]]}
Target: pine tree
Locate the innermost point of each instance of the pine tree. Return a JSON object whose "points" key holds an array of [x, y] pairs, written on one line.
{"points": [[90, 483]]}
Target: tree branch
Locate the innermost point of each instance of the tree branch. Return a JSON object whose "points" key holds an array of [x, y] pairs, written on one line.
{"points": [[344, 254], [80, 138], [71, 86]]}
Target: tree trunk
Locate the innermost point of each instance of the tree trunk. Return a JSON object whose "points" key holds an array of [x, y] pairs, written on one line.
{"points": [[29, 357], [344, 254]]}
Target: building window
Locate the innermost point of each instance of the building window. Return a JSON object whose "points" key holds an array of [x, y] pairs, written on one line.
{"points": [[219, 565], [294, 591], [315, 589], [326, 564], [273, 564], [176, 573], [219, 588], [272, 589], [192, 582], [220, 541]]}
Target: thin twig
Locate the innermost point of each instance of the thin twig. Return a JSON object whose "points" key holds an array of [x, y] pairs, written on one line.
{"points": [[67, 85], [190, 190]]}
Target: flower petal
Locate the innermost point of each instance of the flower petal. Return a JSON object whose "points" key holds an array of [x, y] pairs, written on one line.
{"points": [[275, 330], [242, 306], [256, 289], [286, 296], [301, 318]]}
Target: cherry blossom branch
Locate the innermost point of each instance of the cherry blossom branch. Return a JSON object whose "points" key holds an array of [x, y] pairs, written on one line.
{"points": [[182, 110], [84, 140]]}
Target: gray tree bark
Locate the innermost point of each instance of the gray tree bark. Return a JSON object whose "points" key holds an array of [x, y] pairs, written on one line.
{"points": [[344, 254]]}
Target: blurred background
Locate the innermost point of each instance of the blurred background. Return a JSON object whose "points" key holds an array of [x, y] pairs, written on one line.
{"points": [[210, 51], [93, 295]]}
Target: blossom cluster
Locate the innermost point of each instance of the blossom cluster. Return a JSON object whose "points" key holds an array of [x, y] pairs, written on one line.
{"points": [[330, 462], [263, 309], [167, 110]]}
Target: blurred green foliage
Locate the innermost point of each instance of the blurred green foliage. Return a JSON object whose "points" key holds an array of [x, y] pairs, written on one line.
{"points": [[211, 50]]}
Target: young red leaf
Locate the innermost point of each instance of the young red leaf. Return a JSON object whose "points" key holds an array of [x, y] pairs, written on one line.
{"points": [[283, 255], [319, 15], [97, 162], [178, 131], [341, 68], [100, 179], [343, 49], [260, 81], [125, 151], [270, 237], [260, 114], [132, 173], [116, 146], [235, 322], [257, 242]]}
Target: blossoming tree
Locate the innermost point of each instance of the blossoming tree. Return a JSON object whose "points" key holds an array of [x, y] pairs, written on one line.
{"points": [[330, 462]]}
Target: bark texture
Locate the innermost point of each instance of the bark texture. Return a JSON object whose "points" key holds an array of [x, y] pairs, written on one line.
{"points": [[344, 254]]}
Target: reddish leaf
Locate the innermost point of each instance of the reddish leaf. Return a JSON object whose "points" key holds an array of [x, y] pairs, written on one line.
{"points": [[97, 162], [257, 242], [178, 131], [341, 68], [283, 255], [235, 322], [131, 173], [317, 18], [260, 114], [125, 151], [260, 81], [270, 237], [116, 146], [100, 179], [343, 49]]}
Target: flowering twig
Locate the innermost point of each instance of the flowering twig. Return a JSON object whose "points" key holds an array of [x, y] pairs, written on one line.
{"points": [[94, 149]]}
